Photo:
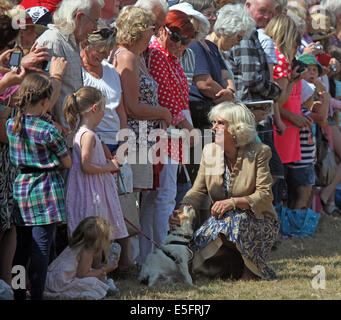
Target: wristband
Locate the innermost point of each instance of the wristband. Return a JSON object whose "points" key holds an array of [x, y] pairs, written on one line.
{"points": [[234, 204], [57, 77]]}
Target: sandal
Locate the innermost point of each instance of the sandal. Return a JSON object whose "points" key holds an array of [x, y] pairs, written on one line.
{"points": [[331, 209]]}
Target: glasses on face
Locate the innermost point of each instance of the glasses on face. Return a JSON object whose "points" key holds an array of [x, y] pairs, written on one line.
{"points": [[175, 37], [95, 22], [266, 107], [106, 32], [210, 15]]}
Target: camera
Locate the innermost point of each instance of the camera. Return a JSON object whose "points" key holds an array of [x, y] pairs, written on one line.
{"points": [[302, 65], [15, 59], [333, 67], [46, 64]]}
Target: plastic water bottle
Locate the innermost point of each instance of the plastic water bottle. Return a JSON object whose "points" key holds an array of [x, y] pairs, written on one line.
{"points": [[114, 253]]}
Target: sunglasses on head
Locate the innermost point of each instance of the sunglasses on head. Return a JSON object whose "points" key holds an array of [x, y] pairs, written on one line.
{"points": [[106, 32], [175, 37]]}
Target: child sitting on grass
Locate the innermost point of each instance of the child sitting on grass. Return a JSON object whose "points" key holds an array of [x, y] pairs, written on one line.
{"points": [[78, 272]]}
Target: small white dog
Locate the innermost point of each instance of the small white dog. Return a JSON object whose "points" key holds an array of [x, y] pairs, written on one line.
{"points": [[172, 259]]}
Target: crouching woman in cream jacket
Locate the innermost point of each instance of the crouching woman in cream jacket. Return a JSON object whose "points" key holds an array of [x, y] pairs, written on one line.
{"points": [[234, 172]]}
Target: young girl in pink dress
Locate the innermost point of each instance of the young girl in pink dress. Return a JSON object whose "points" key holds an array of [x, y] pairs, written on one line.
{"points": [[78, 273], [91, 187]]}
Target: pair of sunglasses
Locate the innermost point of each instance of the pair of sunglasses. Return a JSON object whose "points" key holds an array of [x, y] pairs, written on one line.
{"points": [[106, 32], [264, 107], [175, 37]]}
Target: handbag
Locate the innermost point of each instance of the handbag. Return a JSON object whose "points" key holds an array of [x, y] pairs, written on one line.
{"points": [[130, 208], [297, 223], [325, 167]]}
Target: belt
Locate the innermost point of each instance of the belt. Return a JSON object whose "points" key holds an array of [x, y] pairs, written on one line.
{"points": [[25, 170]]}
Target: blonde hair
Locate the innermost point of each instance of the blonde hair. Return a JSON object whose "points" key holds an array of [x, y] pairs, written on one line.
{"points": [[284, 32], [34, 88], [81, 102], [241, 121], [93, 233], [131, 23]]}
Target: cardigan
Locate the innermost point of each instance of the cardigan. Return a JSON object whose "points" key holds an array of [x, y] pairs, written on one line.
{"points": [[250, 178]]}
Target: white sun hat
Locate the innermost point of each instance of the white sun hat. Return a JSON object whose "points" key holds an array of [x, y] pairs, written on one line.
{"points": [[203, 22]]}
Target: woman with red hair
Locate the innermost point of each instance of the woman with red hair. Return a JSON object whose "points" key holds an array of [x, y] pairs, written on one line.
{"points": [[158, 205]]}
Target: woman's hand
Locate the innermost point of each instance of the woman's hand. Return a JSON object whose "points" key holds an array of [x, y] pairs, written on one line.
{"points": [[300, 121], [32, 61], [113, 165], [311, 49], [57, 67], [281, 127], [174, 220], [224, 95], [220, 207], [296, 76], [14, 77], [4, 60]]}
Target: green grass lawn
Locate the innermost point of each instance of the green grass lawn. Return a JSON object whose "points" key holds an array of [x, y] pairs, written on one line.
{"points": [[293, 262]]}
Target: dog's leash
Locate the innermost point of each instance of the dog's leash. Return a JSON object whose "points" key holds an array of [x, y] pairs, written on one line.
{"points": [[168, 254], [142, 233]]}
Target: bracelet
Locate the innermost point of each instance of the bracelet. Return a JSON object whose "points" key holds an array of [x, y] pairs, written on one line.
{"points": [[233, 91], [58, 77], [234, 204]]}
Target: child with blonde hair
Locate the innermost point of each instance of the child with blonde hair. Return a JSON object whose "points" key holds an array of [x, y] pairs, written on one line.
{"points": [[91, 187], [78, 272]]}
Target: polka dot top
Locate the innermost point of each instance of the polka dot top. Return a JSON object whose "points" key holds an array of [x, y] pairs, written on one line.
{"points": [[172, 91], [283, 68]]}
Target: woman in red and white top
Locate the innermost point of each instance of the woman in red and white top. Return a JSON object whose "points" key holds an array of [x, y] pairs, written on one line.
{"points": [[283, 31], [173, 90]]}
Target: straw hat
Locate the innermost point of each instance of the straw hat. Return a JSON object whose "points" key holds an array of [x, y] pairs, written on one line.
{"points": [[321, 27]]}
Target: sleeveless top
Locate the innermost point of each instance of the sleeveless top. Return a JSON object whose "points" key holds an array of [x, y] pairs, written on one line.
{"points": [[148, 94]]}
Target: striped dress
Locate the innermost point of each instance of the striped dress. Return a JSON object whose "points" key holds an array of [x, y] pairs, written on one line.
{"points": [[37, 150], [308, 147]]}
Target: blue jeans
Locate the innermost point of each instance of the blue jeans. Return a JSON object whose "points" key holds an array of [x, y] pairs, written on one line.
{"points": [[34, 242]]}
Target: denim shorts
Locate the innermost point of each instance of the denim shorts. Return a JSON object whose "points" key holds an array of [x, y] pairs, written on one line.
{"points": [[297, 177]]}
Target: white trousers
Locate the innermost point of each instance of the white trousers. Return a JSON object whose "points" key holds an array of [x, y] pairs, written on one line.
{"points": [[156, 207]]}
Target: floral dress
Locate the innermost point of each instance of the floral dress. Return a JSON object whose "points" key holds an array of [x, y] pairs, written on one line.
{"points": [[8, 172], [252, 237]]}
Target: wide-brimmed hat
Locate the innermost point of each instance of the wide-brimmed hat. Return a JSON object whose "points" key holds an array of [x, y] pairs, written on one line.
{"points": [[203, 22], [321, 27]]}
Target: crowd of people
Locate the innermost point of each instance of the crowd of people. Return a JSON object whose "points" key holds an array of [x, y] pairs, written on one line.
{"points": [[252, 86]]}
